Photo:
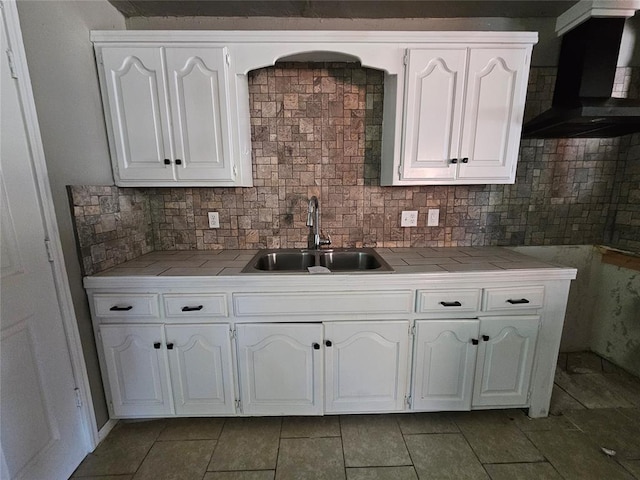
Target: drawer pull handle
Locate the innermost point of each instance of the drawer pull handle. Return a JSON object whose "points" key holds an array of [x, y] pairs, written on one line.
{"points": [[485, 338], [518, 302], [169, 346], [474, 341], [316, 346], [116, 308], [451, 304], [192, 309], [157, 345]]}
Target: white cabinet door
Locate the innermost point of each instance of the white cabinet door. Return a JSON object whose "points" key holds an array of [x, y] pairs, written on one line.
{"points": [[366, 366], [134, 81], [200, 365], [136, 366], [444, 362], [433, 112], [280, 368], [505, 360], [493, 114], [463, 114], [199, 92]]}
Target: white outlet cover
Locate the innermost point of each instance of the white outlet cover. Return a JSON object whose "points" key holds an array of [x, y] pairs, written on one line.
{"points": [[214, 220], [433, 217], [409, 218]]}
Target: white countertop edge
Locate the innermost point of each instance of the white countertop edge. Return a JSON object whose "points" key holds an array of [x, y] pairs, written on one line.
{"points": [[302, 280]]}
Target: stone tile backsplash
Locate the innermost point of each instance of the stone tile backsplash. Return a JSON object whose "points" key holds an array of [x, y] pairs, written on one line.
{"points": [[316, 130]]}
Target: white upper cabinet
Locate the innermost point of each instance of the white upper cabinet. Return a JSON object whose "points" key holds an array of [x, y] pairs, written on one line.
{"points": [[463, 115], [170, 116]]}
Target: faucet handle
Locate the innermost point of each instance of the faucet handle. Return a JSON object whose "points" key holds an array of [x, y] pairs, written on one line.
{"points": [[325, 241]]}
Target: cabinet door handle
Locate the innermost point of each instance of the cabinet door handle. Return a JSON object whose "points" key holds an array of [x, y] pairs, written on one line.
{"points": [[485, 338], [169, 346], [192, 309], [454, 160], [167, 161], [517, 302], [116, 308], [157, 345], [451, 304], [316, 346], [178, 161], [474, 341], [465, 160], [328, 343]]}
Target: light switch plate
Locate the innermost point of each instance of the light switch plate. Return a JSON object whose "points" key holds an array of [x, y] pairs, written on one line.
{"points": [[214, 220], [433, 217], [409, 218]]}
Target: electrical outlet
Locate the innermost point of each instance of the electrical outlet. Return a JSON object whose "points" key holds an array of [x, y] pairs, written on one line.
{"points": [[214, 220], [433, 217], [409, 218]]}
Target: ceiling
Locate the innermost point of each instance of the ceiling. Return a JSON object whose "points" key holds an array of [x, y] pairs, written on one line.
{"points": [[343, 8]]}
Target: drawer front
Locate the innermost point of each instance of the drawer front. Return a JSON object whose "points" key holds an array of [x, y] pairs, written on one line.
{"points": [[513, 298], [321, 303], [195, 305], [448, 301], [108, 305]]}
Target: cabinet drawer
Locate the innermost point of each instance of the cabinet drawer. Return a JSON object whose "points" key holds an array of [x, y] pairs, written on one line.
{"points": [[195, 305], [320, 303], [513, 298], [451, 301], [110, 305]]}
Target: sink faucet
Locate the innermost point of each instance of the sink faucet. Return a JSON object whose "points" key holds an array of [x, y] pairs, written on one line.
{"points": [[315, 241]]}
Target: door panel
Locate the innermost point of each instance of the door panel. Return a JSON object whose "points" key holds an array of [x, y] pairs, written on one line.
{"points": [[280, 371], [198, 89], [435, 82], [200, 365], [137, 370], [139, 115], [42, 433], [366, 366], [493, 114], [505, 360], [444, 364]]}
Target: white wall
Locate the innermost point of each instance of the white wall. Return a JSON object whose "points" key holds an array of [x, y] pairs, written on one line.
{"points": [[67, 97]]}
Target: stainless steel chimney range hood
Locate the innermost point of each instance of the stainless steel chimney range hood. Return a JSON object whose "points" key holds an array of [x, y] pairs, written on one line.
{"points": [[582, 105]]}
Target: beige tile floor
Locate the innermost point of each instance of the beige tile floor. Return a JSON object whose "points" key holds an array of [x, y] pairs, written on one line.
{"points": [[594, 405]]}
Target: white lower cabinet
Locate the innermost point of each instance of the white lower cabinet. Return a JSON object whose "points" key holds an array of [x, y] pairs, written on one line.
{"points": [[444, 362], [505, 360], [366, 366], [280, 368], [464, 364], [315, 368], [158, 370]]}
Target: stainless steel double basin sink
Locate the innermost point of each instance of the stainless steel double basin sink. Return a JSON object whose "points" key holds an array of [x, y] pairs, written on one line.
{"points": [[343, 260]]}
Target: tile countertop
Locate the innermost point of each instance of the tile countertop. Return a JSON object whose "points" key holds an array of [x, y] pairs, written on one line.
{"points": [[211, 263]]}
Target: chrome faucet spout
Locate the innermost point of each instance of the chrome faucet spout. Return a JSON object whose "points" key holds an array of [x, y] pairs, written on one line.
{"points": [[315, 241]]}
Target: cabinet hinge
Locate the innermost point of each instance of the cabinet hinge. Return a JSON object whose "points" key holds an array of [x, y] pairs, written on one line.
{"points": [[12, 65], [78, 397], [227, 58], [412, 330], [238, 405], [235, 170], [400, 172], [528, 396], [47, 246], [405, 58], [407, 400], [232, 333]]}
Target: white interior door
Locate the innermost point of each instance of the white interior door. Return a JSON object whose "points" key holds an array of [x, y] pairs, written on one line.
{"points": [[41, 428]]}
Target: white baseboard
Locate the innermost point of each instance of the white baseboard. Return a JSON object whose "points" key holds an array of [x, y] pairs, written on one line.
{"points": [[106, 428]]}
